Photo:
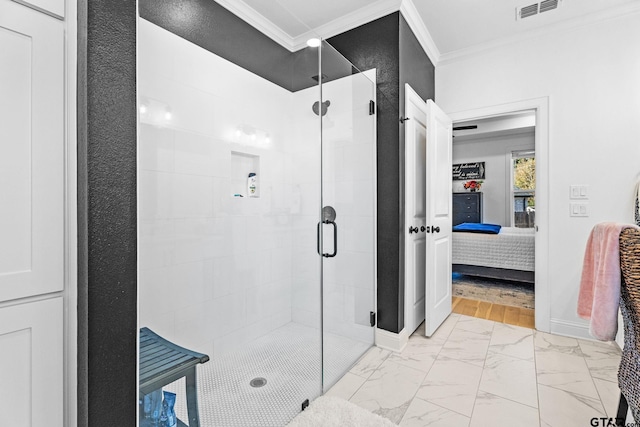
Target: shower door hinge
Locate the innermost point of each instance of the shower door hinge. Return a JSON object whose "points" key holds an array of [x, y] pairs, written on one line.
{"points": [[372, 107], [372, 318]]}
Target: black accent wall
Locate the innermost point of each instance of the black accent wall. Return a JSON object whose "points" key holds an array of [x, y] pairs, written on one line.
{"points": [[107, 294], [212, 27], [375, 45], [389, 45]]}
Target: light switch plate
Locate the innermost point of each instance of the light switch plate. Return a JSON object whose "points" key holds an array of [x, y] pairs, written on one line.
{"points": [[578, 209], [578, 192], [584, 191], [574, 191]]}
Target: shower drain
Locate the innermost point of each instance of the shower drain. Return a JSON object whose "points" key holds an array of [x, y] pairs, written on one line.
{"points": [[257, 382]]}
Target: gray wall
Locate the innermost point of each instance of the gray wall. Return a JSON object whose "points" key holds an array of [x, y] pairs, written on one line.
{"points": [[495, 152], [107, 324]]}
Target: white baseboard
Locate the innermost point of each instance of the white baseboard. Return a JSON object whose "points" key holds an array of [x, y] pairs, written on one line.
{"points": [[581, 330], [391, 341], [570, 329]]}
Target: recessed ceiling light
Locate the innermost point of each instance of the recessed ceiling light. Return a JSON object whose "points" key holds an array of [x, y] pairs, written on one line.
{"points": [[313, 42]]}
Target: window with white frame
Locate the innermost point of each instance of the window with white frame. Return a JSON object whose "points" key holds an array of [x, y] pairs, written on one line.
{"points": [[523, 194]]}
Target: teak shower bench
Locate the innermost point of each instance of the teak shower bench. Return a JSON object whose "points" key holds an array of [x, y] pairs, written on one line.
{"points": [[162, 362]]}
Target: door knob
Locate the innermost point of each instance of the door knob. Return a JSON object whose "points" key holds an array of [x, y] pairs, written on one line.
{"points": [[435, 229], [422, 228], [413, 229]]}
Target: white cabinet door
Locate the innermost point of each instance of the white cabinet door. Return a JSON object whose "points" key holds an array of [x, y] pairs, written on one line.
{"points": [[51, 7], [31, 374], [31, 152]]}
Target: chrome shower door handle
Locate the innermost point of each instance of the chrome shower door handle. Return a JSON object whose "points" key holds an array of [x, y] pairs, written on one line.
{"points": [[335, 239]]}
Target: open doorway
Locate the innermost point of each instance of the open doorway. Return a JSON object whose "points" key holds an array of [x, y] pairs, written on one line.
{"points": [[494, 185]]}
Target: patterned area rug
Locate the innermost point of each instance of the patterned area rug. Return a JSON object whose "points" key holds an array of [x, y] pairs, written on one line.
{"points": [[503, 292]]}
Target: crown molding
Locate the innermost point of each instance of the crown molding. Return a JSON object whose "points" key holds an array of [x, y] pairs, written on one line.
{"points": [[349, 21], [259, 22], [411, 15], [571, 24]]}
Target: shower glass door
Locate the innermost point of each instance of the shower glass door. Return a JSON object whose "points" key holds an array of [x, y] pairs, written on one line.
{"points": [[348, 218]]}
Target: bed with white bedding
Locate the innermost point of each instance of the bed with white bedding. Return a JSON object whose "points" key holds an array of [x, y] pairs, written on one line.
{"points": [[508, 255]]}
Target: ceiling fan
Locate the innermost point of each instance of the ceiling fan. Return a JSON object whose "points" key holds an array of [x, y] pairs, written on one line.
{"points": [[470, 127]]}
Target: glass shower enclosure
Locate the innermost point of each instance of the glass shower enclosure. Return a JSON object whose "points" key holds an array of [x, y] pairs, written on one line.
{"points": [[256, 224]]}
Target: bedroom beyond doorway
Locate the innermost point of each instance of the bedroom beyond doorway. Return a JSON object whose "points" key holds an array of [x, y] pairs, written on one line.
{"points": [[494, 255]]}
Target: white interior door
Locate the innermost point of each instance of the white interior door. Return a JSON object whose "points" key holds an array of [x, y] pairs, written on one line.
{"points": [[415, 208], [438, 212]]}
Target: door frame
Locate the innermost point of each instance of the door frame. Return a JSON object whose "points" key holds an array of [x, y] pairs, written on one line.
{"points": [[70, 294], [541, 108]]}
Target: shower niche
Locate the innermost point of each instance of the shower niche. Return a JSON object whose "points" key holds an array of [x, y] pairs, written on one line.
{"points": [[242, 165]]}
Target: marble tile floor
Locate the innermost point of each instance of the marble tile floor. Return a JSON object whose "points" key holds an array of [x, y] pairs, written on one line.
{"points": [[475, 372]]}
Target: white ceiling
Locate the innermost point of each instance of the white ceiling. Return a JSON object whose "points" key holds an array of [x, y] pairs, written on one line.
{"points": [[461, 24], [444, 27], [296, 17], [503, 125]]}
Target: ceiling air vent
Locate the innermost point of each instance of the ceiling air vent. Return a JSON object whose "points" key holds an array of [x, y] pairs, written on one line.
{"points": [[536, 8], [548, 5], [527, 11]]}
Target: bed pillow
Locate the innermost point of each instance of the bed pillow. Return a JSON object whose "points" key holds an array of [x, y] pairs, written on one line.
{"points": [[476, 227]]}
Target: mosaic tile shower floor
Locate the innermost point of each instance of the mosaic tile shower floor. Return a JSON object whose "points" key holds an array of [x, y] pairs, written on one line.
{"points": [[288, 358]]}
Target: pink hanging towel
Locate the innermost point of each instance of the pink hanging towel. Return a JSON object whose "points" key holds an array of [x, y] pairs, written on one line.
{"points": [[599, 295]]}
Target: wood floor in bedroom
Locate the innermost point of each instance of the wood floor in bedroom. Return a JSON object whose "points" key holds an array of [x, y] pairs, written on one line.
{"points": [[517, 316]]}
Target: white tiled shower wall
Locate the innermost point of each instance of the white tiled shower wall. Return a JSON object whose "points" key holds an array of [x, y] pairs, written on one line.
{"points": [[217, 271]]}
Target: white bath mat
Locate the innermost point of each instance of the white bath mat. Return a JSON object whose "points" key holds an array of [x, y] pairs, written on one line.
{"points": [[332, 411]]}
